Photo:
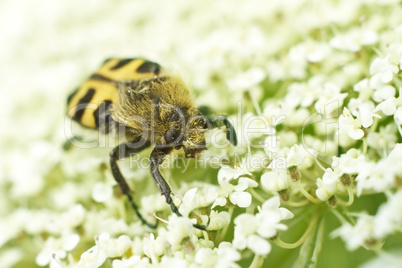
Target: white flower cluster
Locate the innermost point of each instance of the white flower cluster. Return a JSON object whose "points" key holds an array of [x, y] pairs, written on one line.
{"points": [[250, 230], [313, 89]]}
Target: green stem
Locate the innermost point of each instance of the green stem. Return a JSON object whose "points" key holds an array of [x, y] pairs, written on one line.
{"points": [[306, 194], [351, 198], [255, 103], [296, 244], [339, 216], [318, 242], [257, 261], [225, 229], [364, 145], [256, 195], [297, 204], [399, 129], [205, 234], [319, 164], [374, 125]]}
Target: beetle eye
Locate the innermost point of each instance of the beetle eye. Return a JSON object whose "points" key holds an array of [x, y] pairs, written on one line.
{"points": [[204, 123], [169, 136]]}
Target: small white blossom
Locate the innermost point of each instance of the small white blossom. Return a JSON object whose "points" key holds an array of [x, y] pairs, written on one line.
{"points": [[92, 258], [270, 215], [354, 39], [383, 140], [251, 231], [383, 69], [133, 261], [179, 228], [350, 126], [227, 173], [330, 99], [361, 234], [328, 185], [310, 51], [218, 220], [383, 93], [391, 259], [304, 94], [245, 225], [102, 192], [247, 79], [380, 176], [235, 193], [258, 245], [398, 116], [387, 107], [296, 155], [389, 216], [224, 256], [364, 89], [351, 162], [197, 198], [58, 247], [73, 217], [113, 247], [363, 111], [177, 262], [276, 180], [153, 248]]}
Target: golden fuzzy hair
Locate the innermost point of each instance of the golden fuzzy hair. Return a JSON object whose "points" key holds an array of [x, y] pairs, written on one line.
{"points": [[148, 105]]}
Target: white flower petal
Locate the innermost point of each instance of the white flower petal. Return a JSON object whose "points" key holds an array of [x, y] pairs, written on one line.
{"points": [[101, 192], [258, 245], [242, 199]]}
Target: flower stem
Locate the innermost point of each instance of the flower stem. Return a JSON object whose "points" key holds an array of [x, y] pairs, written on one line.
{"points": [[205, 234], [297, 204], [306, 194], [351, 198], [319, 164], [225, 229], [257, 195], [255, 103], [399, 129], [318, 241], [364, 146], [296, 244], [257, 261], [339, 216]]}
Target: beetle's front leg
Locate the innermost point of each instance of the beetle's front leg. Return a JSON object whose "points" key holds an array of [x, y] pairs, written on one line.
{"points": [[156, 159], [222, 120]]}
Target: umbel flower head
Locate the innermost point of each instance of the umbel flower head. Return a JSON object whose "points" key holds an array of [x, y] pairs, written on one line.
{"points": [[314, 91]]}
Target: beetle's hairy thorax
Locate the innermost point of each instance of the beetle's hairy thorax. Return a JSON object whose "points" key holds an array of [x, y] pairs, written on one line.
{"points": [[145, 106]]}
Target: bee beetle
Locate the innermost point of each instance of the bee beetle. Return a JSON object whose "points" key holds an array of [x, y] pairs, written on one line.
{"points": [[152, 108]]}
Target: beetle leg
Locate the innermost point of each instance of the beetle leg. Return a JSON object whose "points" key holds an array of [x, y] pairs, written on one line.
{"points": [[119, 152], [222, 120], [156, 159]]}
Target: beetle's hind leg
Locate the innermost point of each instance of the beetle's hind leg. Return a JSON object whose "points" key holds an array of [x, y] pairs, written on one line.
{"points": [[122, 151]]}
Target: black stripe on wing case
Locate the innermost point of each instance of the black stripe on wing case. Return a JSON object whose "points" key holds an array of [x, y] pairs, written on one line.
{"points": [[100, 77], [83, 103], [149, 67], [101, 114], [121, 63]]}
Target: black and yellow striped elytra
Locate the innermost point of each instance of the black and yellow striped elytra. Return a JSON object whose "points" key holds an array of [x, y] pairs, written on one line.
{"points": [[89, 104], [155, 109]]}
